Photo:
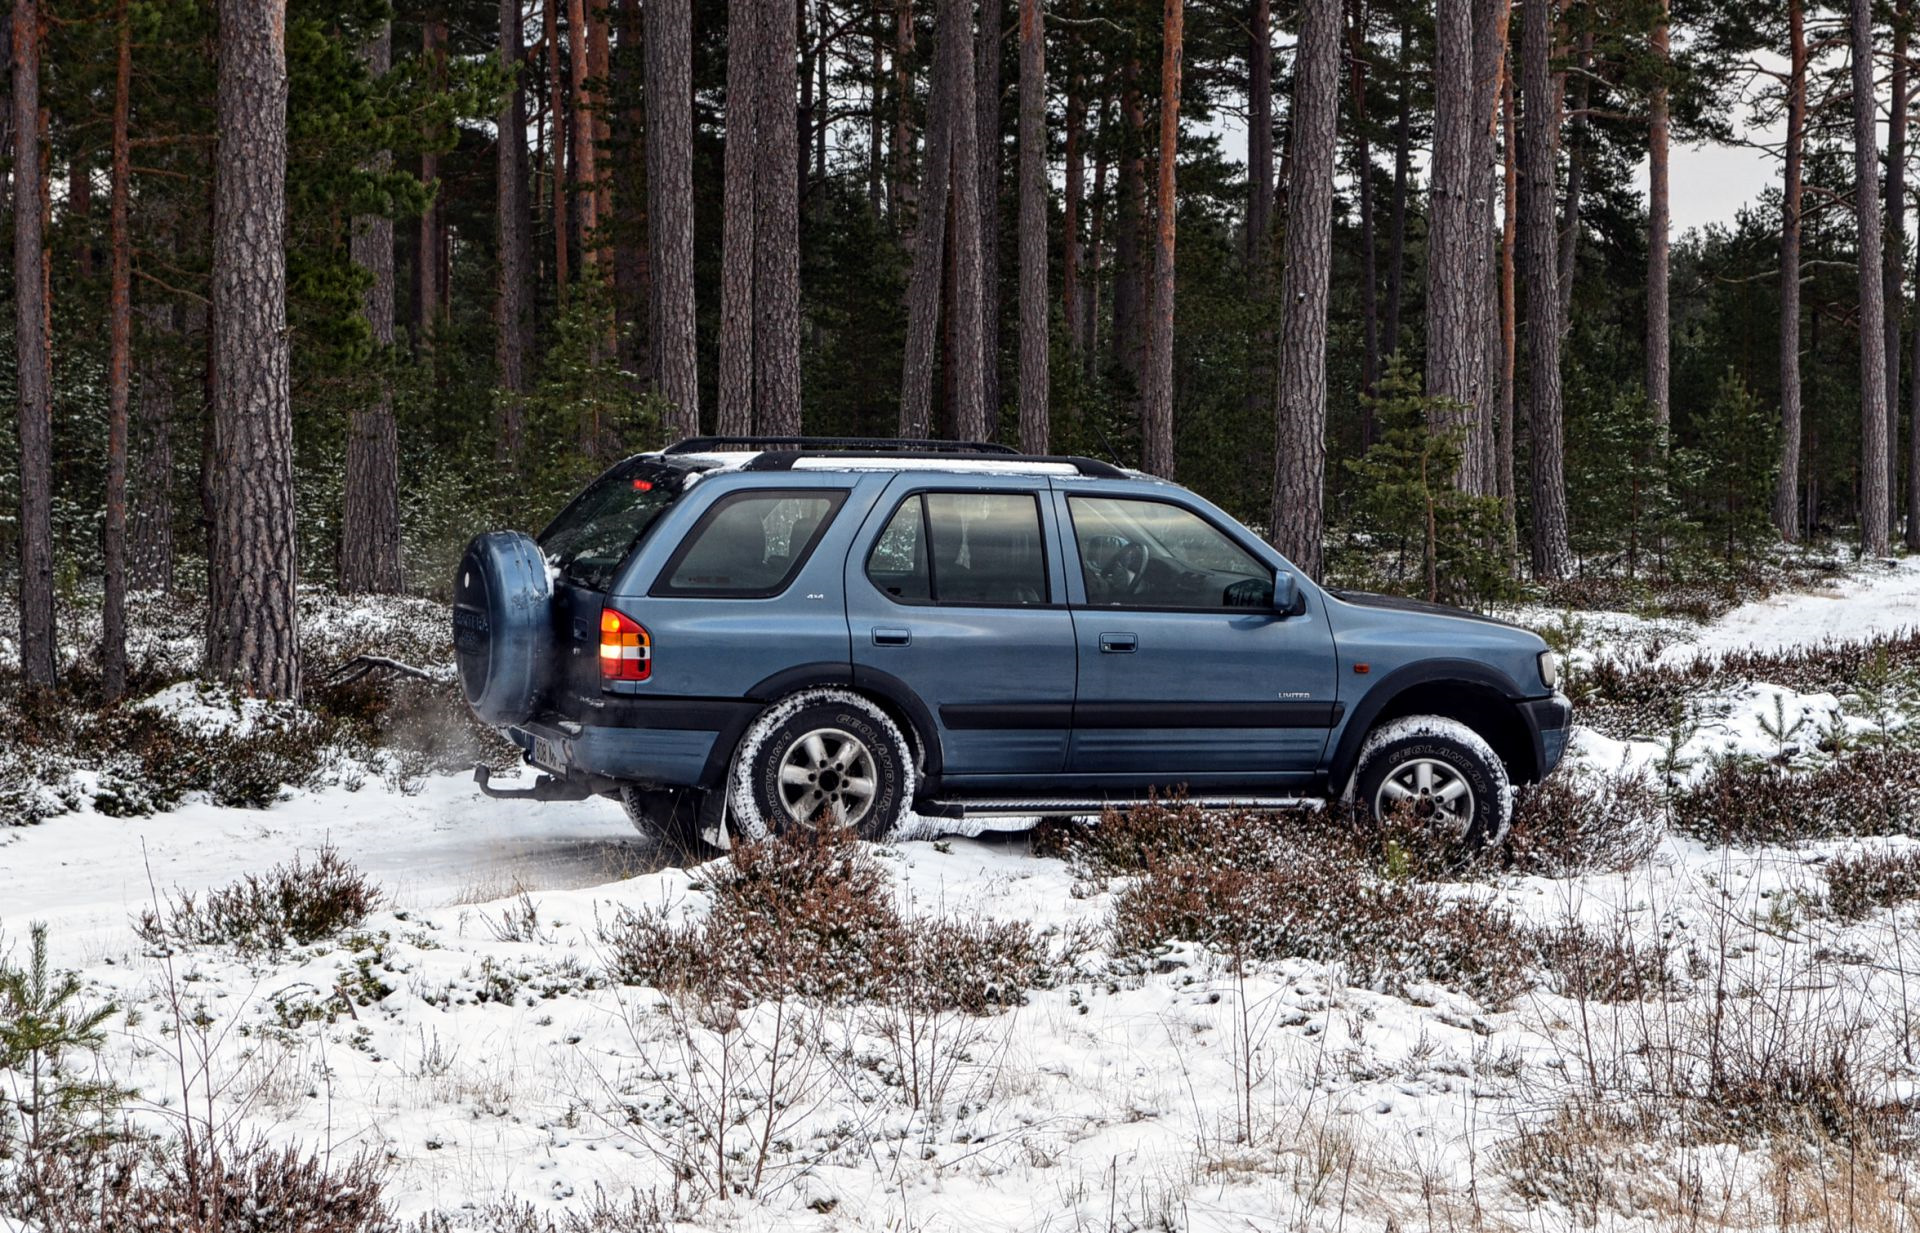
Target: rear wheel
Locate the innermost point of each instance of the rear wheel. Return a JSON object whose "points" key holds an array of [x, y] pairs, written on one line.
{"points": [[1439, 775], [823, 757], [676, 819]]}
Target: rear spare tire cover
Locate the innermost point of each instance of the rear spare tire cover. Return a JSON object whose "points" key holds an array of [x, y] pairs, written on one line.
{"points": [[503, 626]]}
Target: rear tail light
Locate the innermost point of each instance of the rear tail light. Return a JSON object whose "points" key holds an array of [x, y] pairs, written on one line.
{"points": [[626, 650]]}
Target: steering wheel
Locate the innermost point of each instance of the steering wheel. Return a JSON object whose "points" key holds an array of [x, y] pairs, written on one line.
{"points": [[1128, 568]]}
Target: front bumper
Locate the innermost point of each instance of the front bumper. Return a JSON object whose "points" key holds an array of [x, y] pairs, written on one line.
{"points": [[1550, 720]]}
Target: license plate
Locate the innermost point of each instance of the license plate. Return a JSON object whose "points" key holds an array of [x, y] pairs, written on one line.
{"points": [[549, 754]]}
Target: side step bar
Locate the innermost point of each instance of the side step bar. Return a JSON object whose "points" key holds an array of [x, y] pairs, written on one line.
{"points": [[1054, 807]]}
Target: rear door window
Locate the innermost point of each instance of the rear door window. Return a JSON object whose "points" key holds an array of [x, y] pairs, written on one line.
{"points": [[751, 544], [979, 549]]}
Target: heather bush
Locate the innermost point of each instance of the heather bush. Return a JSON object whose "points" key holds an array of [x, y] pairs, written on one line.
{"points": [[296, 903], [1387, 935], [812, 915], [1874, 791], [1861, 883], [1565, 825]]}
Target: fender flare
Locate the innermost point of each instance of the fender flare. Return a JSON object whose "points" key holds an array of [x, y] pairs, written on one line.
{"points": [[1366, 710], [885, 686]]}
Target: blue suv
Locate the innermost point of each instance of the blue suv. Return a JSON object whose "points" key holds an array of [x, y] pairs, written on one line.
{"points": [[745, 635]]}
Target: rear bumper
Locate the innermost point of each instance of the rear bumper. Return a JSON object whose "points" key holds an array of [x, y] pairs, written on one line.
{"points": [[1550, 720], [672, 750]]}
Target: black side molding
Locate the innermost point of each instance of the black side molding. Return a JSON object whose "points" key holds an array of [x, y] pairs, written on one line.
{"points": [[1113, 715]]}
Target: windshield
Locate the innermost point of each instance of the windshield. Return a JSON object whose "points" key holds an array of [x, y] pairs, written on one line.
{"points": [[604, 524]]}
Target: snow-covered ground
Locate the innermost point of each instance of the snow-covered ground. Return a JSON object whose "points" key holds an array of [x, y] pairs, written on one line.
{"points": [[486, 1056]]}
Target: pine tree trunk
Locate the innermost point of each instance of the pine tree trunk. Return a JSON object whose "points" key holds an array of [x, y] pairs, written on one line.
{"points": [[1896, 248], [370, 510], [1034, 335], [1454, 347], [628, 162], [513, 296], [986, 130], [1509, 325], [1259, 238], [1363, 174], [427, 290], [599, 113], [113, 615], [738, 221], [1402, 171], [969, 410], [1786, 499], [1873, 340], [1490, 25], [1659, 330], [33, 355], [1156, 386], [253, 570], [150, 552], [900, 151], [1097, 203], [929, 253], [776, 228], [586, 176], [1300, 454], [1072, 255], [1130, 264], [669, 92], [1577, 128], [557, 130], [1552, 557]]}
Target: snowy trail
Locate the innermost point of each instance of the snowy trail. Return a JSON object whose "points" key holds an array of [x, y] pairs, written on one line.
{"points": [[85, 874], [1862, 605]]}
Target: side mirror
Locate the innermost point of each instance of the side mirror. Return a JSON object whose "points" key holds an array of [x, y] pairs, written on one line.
{"points": [[1287, 600]]}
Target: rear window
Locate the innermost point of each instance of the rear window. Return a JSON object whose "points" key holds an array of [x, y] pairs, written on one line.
{"points": [[603, 525], [751, 544]]}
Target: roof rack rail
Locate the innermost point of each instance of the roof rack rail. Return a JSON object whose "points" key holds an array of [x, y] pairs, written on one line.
{"points": [[884, 445], [1093, 468]]}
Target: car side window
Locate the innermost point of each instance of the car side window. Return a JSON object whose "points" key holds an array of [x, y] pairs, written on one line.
{"points": [[981, 549], [1154, 554], [898, 562], [751, 544]]}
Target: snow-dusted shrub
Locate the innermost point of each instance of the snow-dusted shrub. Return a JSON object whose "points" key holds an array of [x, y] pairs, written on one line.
{"points": [[1570, 825], [1387, 935], [1863, 792], [1599, 965], [636, 1213], [199, 1186], [1861, 883], [1148, 837], [291, 904], [813, 915]]}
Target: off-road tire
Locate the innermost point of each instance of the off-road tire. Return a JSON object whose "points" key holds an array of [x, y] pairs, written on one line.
{"points": [[673, 818], [1446, 754], [856, 746]]}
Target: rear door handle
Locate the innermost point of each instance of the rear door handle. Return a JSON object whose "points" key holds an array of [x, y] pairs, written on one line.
{"points": [[883, 636], [1119, 644]]}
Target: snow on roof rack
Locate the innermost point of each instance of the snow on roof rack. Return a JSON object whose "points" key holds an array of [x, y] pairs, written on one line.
{"points": [[921, 445], [782, 453]]}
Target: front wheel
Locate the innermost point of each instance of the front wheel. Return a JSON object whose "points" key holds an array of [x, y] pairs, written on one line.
{"points": [[821, 758], [1439, 775]]}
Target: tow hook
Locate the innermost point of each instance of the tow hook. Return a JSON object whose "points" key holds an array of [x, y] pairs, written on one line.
{"points": [[545, 788]]}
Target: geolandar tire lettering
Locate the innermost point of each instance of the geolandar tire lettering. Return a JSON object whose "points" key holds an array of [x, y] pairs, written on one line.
{"points": [[1438, 773], [822, 757]]}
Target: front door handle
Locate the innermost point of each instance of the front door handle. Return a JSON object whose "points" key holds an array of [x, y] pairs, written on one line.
{"points": [[1119, 644], [883, 636]]}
